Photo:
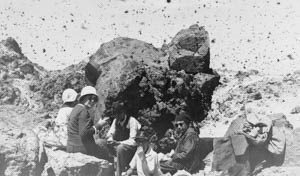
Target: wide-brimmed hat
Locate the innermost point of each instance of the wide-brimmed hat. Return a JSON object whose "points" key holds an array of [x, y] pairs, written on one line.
{"points": [[88, 90], [69, 95]]}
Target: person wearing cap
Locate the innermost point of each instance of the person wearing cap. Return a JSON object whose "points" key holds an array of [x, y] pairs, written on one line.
{"points": [[81, 127], [121, 135], [69, 97], [145, 161], [185, 156]]}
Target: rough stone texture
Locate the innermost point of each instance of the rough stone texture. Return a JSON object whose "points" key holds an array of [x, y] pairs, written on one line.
{"points": [[293, 149], [121, 63], [280, 171], [61, 163], [138, 74], [14, 64], [51, 89], [29, 85], [295, 110], [278, 97], [15, 71], [21, 152], [10, 94], [189, 50]]}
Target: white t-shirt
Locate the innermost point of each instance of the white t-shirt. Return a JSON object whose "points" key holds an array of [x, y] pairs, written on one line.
{"points": [[151, 161]]}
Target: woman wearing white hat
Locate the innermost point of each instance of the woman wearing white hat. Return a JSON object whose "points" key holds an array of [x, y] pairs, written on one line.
{"points": [[69, 97], [81, 127]]}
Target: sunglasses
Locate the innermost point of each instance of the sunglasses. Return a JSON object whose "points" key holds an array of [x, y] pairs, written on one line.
{"points": [[93, 98], [180, 124]]}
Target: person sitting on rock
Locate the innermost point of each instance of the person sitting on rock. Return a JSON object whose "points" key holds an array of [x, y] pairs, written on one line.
{"points": [[186, 151], [121, 135], [69, 98], [145, 161], [81, 128]]}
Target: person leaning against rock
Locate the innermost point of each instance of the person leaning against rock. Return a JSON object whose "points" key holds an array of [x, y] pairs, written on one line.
{"points": [[185, 156], [81, 127], [121, 135]]}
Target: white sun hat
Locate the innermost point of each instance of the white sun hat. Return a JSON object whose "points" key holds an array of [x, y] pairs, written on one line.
{"points": [[88, 90], [69, 95]]}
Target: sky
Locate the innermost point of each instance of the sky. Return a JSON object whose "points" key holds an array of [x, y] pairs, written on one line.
{"points": [[245, 34]]}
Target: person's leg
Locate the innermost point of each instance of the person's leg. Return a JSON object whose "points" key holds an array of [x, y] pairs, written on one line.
{"points": [[124, 155], [75, 149], [169, 167], [103, 150]]}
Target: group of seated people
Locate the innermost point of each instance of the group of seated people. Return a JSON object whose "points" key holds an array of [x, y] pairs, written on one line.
{"points": [[126, 143], [129, 146]]}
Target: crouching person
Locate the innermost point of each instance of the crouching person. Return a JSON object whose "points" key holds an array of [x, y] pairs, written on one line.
{"points": [[145, 161], [81, 127], [185, 156]]}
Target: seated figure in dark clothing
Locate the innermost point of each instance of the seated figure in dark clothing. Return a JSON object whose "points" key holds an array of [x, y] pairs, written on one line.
{"points": [[81, 127], [186, 154]]}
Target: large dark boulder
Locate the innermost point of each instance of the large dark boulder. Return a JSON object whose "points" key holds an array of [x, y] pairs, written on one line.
{"points": [[121, 64], [135, 72], [189, 50]]}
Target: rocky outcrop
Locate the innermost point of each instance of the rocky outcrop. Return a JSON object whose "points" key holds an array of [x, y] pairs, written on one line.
{"points": [[21, 152], [16, 68], [279, 171], [29, 85], [50, 90], [189, 50], [140, 75], [61, 163], [13, 64]]}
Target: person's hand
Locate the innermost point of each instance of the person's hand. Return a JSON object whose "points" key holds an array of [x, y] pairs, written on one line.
{"points": [[103, 121], [169, 155], [113, 142], [128, 172]]}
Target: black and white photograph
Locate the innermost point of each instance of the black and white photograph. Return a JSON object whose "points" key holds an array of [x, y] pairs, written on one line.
{"points": [[149, 87]]}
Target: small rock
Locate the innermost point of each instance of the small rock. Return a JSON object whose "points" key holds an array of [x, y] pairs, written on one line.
{"points": [[295, 110]]}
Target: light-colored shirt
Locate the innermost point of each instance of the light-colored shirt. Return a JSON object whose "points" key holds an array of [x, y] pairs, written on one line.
{"points": [[151, 162], [63, 116], [133, 125], [61, 123]]}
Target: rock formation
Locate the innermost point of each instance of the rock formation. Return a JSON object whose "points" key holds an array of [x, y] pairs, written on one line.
{"points": [[61, 163], [154, 83], [21, 152], [189, 50], [27, 84]]}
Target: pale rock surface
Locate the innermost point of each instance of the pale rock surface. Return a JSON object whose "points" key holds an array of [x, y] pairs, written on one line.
{"points": [[61, 163], [22, 154]]}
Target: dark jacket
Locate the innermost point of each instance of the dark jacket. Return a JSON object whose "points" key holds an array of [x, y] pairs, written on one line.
{"points": [[187, 149], [81, 131]]}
